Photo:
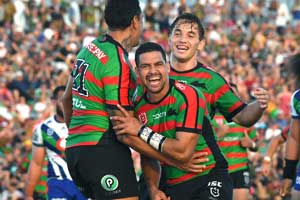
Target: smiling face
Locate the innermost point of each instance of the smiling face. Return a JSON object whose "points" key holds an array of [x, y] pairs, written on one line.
{"points": [[185, 41], [153, 72]]}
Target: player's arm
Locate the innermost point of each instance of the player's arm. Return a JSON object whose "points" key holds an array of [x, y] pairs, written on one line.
{"points": [[67, 101], [267, 160], [275, 142], [253, 111], [179, 149], [152, 171], [291, 156], [34, 171]]}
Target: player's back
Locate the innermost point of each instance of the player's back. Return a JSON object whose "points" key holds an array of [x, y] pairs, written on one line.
{"points": [[100, 70]]}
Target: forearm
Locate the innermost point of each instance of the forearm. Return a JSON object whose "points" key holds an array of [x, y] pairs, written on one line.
{"points": [[179, 149], [152, 171], [292, 148], [142, 147], [33, 178], [272, 147], [249, 115]]}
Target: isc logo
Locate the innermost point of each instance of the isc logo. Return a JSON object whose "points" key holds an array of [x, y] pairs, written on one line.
{"points": [[159, 115], [215, 183]]}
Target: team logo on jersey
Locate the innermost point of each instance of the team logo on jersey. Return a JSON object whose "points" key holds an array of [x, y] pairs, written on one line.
{"points": [[109, 182], [143, 118], [180, 86], [214, 188], [50, 131]]}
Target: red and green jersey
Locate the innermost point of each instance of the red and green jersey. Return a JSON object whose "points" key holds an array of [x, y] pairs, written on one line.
{"points": [[218, 93], [230, 144], [102, 78], [182, 109], [41, 186]]}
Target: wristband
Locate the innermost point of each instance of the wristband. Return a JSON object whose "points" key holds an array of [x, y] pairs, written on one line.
{"points": [[267, 159], [253, 145], [154, 139], [289, 170]]}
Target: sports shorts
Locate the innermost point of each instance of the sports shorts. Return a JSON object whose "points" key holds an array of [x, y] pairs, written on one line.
{"points": [[63, 189], [103, 171], [216, 185], [240, 179]]}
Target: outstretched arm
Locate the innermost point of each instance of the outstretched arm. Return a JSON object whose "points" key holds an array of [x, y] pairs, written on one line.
{"points": [[267, 160], [253, 111]]}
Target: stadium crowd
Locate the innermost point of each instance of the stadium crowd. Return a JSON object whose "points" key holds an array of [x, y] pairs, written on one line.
{"points": [[247, 43]]}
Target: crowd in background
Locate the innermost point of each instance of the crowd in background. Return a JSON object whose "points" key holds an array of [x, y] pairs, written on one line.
{"points": [[247, 42]]}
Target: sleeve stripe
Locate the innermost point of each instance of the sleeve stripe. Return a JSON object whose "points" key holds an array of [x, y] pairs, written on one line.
{"points": [[124, 81]]}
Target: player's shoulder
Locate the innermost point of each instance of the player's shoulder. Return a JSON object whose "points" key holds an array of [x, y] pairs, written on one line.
{"points": [[296, 95]]}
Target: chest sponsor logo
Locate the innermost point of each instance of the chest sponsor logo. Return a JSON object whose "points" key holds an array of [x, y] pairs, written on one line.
{"points": [[159, 115], [143, 118]]}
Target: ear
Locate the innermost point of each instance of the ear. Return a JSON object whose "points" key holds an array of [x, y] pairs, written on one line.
{"points": [[136, 71], [135, 22], [168, 67], [201, 45]]}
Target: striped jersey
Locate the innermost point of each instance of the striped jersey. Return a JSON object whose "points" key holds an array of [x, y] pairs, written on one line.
{"points": [[230, 144], [295, 105], [182, 109], [102, 78], [218, 93], [52, 135]]}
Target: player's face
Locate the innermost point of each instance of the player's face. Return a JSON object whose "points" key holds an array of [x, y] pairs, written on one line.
{"points": [[153, 72], [184, 41]]}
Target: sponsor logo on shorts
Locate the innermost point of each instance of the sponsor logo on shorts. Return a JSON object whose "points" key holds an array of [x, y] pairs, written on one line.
{"points": [[246, 177], [109, 182], [214, 188]]}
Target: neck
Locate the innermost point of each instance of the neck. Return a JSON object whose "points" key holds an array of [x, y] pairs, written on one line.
{"points": [[59, 118], [181, 65], [122, 37]]}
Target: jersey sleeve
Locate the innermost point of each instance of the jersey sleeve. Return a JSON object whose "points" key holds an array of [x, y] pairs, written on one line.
{"points": [[37, 137], [192, 108], [295, 105], [118, 82], [225, 99], [253, 134]]}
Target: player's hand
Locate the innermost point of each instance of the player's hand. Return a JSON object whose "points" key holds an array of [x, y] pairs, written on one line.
{"points": [[125, 124], [286, 187], [246, 142], [262, 96], [194, 165], [266, 168], [158, 195]]}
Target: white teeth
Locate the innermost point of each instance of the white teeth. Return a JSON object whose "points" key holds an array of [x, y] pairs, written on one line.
{"points": [[180, 47]]}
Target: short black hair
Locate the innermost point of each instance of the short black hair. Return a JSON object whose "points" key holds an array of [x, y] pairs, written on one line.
{"points": [[189, 18], [293, 65], [148, 47], [118, 14], [57, 90]]}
